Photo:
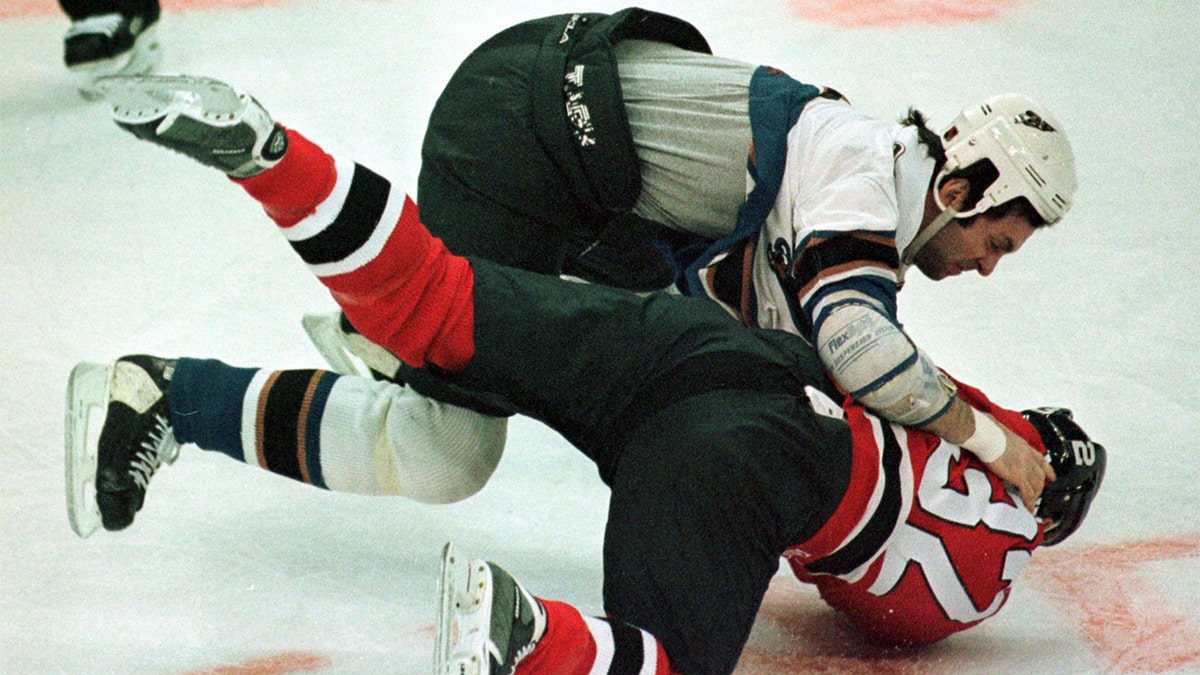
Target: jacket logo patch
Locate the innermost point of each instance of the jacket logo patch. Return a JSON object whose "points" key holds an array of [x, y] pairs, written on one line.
{"points": [[566, 34], [580, 119], [780, 259]]}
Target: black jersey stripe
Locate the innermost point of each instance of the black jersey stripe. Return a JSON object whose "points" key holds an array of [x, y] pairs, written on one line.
{"points": [[845, 250], [881, 524], [354, 224], [627, 650], [280, 425]]}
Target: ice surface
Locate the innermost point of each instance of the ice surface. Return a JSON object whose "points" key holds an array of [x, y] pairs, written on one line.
{"points": [[109, 246]]}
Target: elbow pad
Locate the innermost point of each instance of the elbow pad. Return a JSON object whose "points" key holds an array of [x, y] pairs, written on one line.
{"points": [[868, 354]]}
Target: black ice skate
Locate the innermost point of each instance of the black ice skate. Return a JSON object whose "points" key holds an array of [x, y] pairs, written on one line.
{"points": [[110, 44], [346, 350], [486, 621], [202, 118], [118, 434]]}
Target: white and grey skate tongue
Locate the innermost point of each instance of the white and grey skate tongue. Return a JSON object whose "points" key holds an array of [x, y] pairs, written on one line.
{"points": [[138, 99]]}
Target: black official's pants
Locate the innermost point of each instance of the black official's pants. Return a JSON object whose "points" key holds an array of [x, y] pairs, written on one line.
{"points": [[700, 426], [716, 461], [82, 9]]}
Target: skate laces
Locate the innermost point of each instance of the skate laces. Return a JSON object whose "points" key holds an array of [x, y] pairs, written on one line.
{"points": [[524, 651], [537, 625], [160, 448], [106, 24]]}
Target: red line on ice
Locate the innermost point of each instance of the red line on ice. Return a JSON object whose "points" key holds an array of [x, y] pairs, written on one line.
{"points": [[1125, 619], [860, 13], [275, 664], [18, 8]]}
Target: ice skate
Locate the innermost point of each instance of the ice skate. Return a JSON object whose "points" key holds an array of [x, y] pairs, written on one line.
{"points": [[110, 44], [202, 118], [347, 351], [118, 433], [486, 621]]}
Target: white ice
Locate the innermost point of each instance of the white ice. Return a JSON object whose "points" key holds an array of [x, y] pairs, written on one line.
{"points": [[109, 246]]}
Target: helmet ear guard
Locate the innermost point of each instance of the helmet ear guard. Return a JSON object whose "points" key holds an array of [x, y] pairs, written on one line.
{"points": [[1026, 146], [1079, 464]]}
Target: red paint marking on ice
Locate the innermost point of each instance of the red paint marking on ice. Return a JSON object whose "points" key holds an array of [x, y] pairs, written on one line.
{"points": [[859, 13], [275, 664], [1123, 618], [797, 632], [185, 5], [17, 8]]}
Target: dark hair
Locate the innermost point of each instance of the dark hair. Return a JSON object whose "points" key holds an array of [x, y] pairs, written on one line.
{"points": [[927, 138], [979, 175]]}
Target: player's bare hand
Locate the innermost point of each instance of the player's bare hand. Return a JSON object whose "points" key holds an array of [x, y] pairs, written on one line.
{"points": [[1023, 467]]}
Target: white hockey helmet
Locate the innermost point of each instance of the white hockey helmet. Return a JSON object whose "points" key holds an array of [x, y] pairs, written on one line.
{"points": [[1026, 145]]}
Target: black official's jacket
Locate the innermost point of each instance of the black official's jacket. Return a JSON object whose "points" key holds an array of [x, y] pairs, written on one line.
{"points": [[528, 159]]}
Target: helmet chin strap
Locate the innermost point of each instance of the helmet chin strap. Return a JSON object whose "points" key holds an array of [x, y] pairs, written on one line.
{"points": [[943, 219]]}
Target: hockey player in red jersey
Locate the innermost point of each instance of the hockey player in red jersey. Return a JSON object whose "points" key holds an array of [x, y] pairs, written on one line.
{"points": [[952, 562], [725, 447]]}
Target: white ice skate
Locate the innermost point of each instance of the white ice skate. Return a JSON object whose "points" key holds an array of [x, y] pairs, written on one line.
{"points": [[486, 621], [345, 350], [117, 435], [110, 44], [202, 118]]}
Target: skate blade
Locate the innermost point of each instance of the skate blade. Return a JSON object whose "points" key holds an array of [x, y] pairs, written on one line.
{"points": [[453, 569], [87, 398], [451, 656], [326, 335], [137, 99], [144, 56]]}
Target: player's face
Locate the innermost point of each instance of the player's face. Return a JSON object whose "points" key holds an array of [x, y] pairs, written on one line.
{"points": [[978, 246]]}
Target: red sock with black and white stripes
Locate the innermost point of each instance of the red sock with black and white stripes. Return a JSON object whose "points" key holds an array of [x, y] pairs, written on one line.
{"points": [[363, 239], [582, 645]]}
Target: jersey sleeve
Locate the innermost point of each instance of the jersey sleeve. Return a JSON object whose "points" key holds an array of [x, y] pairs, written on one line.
{"points": [[831, 261], [843, 249]]}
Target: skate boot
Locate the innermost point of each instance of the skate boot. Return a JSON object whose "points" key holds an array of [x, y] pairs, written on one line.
{"points": [[486, 621], [110, 44], [346, 350], [202, 118], [118, 434]]}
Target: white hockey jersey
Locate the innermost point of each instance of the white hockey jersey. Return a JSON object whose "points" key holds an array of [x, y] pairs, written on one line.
{"points": [[851, 199]]}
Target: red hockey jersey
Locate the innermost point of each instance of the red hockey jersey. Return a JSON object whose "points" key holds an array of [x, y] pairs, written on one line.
{"points": [[950, 564]]}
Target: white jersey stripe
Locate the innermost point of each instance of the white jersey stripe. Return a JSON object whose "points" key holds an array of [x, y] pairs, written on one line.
{"points": [[876, 495], [649, 654], [605, 647], [328, 210], [250, 416]]}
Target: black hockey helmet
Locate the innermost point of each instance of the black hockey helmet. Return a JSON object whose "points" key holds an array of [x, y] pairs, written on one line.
{"points": [[1078, 463]]}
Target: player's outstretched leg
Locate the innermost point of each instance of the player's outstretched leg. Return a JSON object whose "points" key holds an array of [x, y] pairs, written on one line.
{"points": [[202, 118], [487, 622], [118, 434], [346, 350], [110, 44]]}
